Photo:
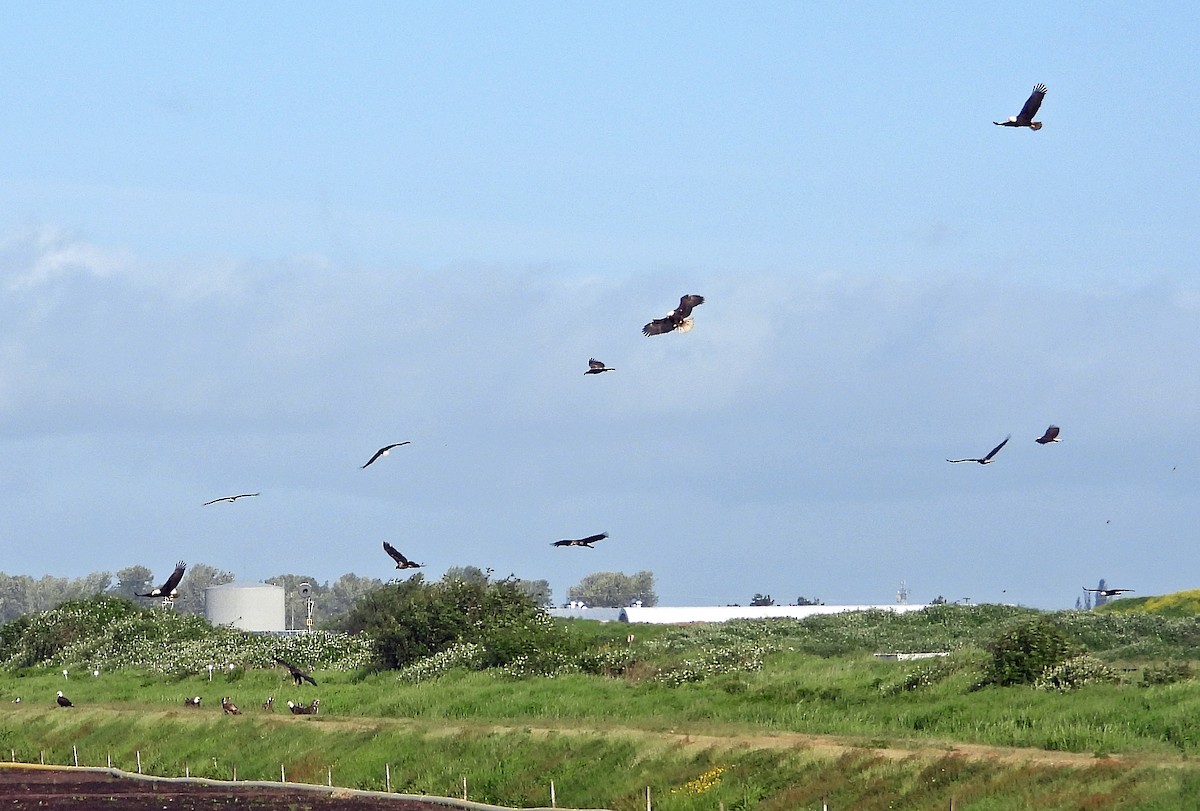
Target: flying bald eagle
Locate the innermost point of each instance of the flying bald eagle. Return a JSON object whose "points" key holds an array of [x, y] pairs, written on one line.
{"points": [[1025, 117], [595, 367], [401, 561], [385, 450], [167, 590], [588, 541], [987, 460], [228, 706], [299, 675], [230, 499], [1107, 592], [1051, 435], [677, 319], [63, 701]]}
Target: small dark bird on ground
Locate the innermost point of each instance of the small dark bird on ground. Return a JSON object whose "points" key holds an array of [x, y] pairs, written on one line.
{"points": [[194, 701], [167, 589], [229, 706], [63, 701], [677, 319], [1051, 435], [301, 709], [588, 541], [987, 460], [299, 675], [595, 367], [401, 561], [385, 450], [230, 499], [1107, 592], [1025, 117]]}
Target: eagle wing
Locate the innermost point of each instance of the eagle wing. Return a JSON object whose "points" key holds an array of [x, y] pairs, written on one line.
{"points": [[384, 450], [1050, 435], [394, 553], [686, 303], [166, 588], [593, 538], [996, 449], [1032, 104], [659, 325], [595, 364]]}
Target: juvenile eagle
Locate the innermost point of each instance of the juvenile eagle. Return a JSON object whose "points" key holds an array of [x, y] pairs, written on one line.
{"points": [[1051, 435], [385, 450], [401, 561], [677, 319], [167, 590], [1025, 117], [987, 460], [299, 675], [228, 706], [595, 367], [588, 541]]}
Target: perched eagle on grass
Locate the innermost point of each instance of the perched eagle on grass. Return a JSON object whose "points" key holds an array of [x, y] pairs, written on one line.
{"points": [[1051, 435], [987, 460], [63, 701], [194, 701], [299, 675], [1025, 117], [401, 561], [595, 367], [300, 709], [167, 590], [588, 541], [678, 319], [385, 450], [228, 706]]}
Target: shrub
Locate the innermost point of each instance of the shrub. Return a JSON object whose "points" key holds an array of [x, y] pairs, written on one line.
{"points": [[1169, 672], [1074, 673], [1023, 652]]}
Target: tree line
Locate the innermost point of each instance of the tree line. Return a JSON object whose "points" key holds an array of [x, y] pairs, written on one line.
{"points": [[22, 594]]}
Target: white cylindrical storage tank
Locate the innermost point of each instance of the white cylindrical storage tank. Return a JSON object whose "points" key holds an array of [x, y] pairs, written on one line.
{"points": [[246, 606]]}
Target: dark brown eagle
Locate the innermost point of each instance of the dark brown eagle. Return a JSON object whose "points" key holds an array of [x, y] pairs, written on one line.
{"points": [[1025, 117], [385, 450], [401, 561], [1107, 592], [595, 367], [677, 319], [228, 706], [987, 460], [62, 700], [167, 590], [1051, 435], [588, 541], [299, 675]]}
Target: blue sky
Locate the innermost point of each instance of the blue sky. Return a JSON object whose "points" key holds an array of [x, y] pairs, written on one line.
{"points": [[241, 247]]}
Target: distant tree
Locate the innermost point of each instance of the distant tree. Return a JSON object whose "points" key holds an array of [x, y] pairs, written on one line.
{"points": [[939, 600], [198, 577], [344, 593], [537, 590], [295, 606], [614, 590], [1021, 653], [807, 601], [1078, 603], [468, 574], [762, 599], [131, 580], [1100, 599]]}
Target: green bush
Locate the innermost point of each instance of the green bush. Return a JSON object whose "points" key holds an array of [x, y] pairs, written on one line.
{"points": [[1169, 672], [1075, 672], [1023, 652]]}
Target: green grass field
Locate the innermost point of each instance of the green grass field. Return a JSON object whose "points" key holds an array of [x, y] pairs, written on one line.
{"points": [[769, 715]]}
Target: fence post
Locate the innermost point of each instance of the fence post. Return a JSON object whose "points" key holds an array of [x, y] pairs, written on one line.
{"points": [[42, 757], [387, 777], [553, 800], [329, 770], [187, 771], [139, 760], [464, 788], [235, 772], [282, 774], [108, 757], [648, 807], [74, 754]]}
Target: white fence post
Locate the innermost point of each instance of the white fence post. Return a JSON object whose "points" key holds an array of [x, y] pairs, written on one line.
{"points": [[553, 801], [387, 777], [139, 761], [74, 754]]}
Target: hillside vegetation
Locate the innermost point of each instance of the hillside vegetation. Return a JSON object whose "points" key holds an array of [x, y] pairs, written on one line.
{"points": [[771, 714]]}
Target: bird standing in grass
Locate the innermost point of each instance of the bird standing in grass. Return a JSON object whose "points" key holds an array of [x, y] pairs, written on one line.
{"points": [[63, 701]]}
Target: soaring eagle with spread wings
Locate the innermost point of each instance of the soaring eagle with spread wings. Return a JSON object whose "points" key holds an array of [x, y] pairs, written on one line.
{"points": [[1107, 592], [167, 590], [678, 319], [385, 450], [1025, 117], [595, 367], [299, 675], [230, 499], [1051, 435], [401, 561], [588, 541], [987, 460]]}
